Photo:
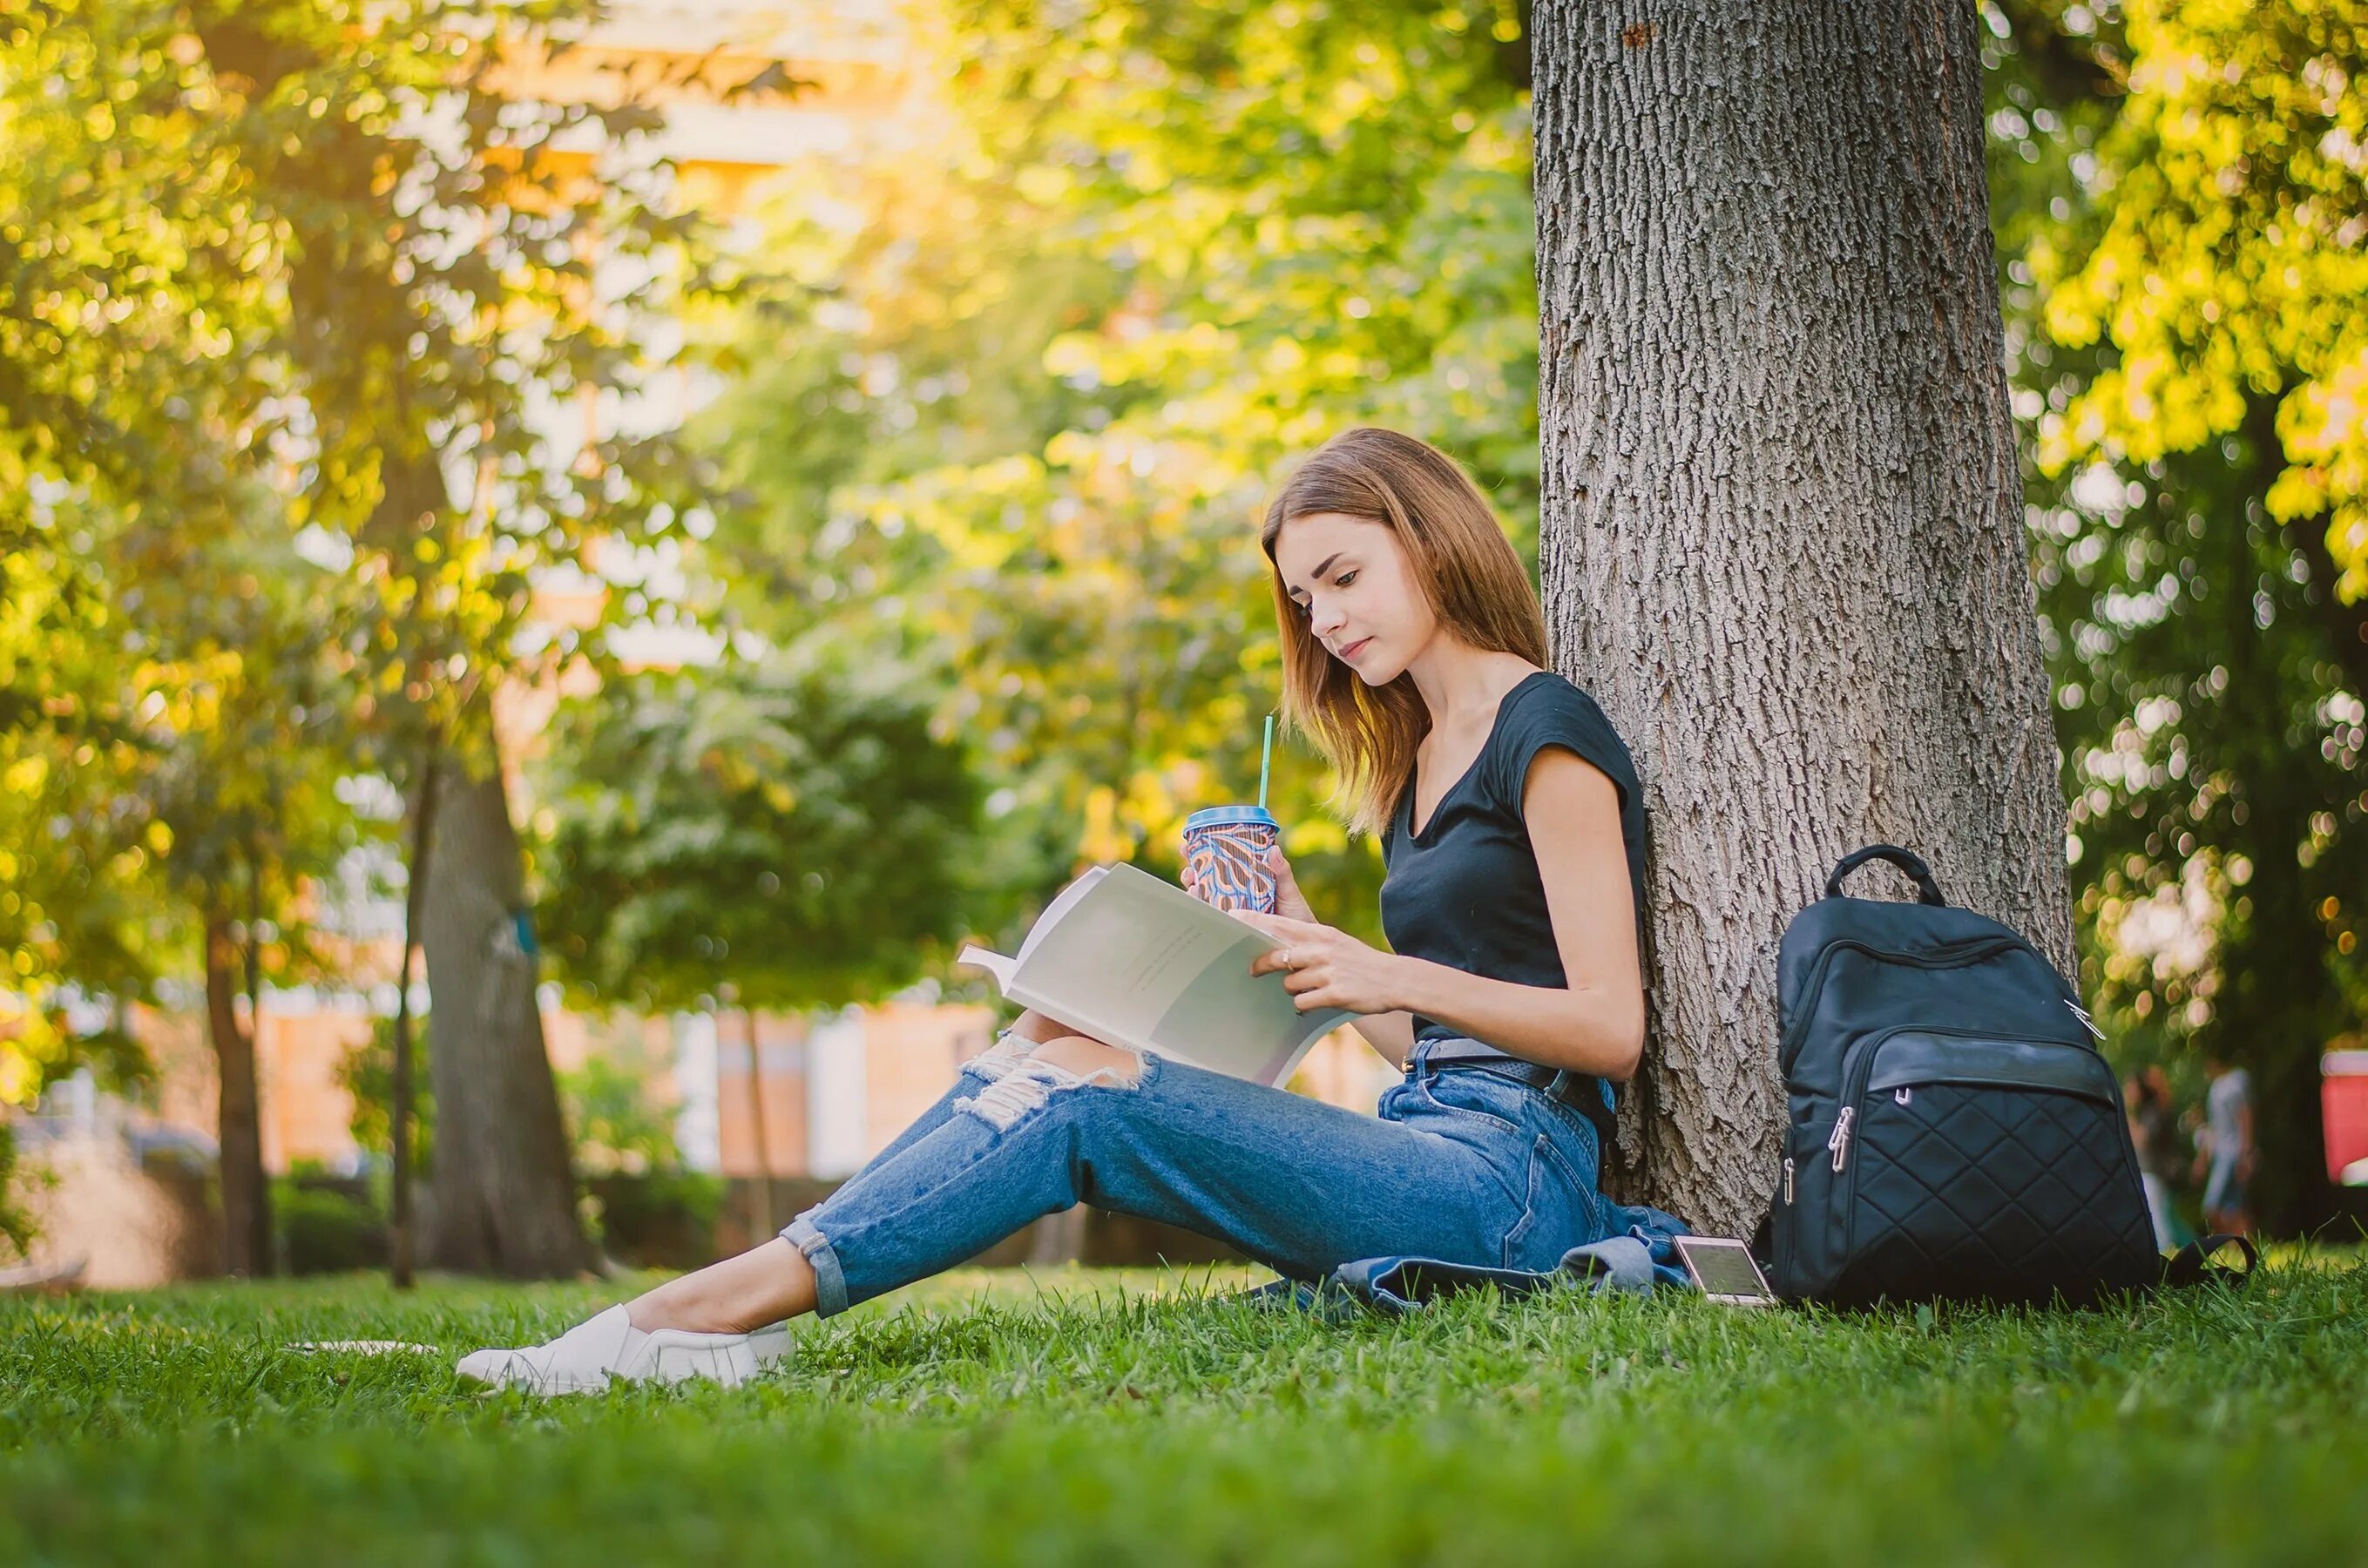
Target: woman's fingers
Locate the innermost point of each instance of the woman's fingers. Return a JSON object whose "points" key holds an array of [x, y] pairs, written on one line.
{"points": [[1288, 959]]}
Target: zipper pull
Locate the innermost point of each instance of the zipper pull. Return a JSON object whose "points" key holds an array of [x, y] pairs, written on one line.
{"points": [[1902, 1094], [1839, 1142], [1788, 1181], [2086, 1021]]}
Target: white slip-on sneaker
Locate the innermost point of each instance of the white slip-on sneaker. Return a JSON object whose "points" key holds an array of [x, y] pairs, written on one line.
{"points": [[671, 1355], [608, 1347]]}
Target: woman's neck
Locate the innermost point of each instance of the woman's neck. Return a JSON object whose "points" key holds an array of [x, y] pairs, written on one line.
{"points": [[1461, 684]]}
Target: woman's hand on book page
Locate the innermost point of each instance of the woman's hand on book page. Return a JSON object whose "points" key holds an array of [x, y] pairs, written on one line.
{"points": [[1322, 966], [1289, 901]]}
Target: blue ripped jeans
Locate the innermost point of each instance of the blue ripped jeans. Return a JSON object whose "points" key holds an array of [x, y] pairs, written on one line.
{"points": [[1460, 1165]]}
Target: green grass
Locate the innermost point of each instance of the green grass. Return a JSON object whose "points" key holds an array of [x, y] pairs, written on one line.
{"points": [[1133, 1416]]}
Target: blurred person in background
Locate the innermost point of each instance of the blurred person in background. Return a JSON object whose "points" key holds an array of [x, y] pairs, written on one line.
{"points": [[2153, 1124], [2227, 1157]]}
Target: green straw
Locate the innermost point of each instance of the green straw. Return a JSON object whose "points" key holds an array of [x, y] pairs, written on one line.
{"points": [[1266, 760]]}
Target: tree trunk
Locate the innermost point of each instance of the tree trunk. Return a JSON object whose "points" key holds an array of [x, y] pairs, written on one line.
{"points": [[764, 1188], [504, 1196], [1781, 534], [245, 1196], [402, 1222]]}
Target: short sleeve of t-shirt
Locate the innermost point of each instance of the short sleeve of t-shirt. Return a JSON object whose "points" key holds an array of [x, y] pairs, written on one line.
{"points": [[1555, 713]]}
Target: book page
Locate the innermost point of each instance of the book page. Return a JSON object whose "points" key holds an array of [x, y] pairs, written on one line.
{"points": [[1152, 966], [1060, 906]]}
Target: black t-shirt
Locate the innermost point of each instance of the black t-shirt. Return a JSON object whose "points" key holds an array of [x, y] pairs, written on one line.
{"points": [[1464, 892]]}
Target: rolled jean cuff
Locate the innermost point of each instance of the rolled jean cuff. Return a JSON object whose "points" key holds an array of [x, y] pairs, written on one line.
{"points": [[830, 1281]]}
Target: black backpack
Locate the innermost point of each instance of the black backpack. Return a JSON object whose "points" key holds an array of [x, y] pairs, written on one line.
{"points": [[1953, 1132]]}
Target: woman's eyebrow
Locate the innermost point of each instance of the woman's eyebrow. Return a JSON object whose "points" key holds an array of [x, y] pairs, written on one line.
{"points": [[1325, 565]]}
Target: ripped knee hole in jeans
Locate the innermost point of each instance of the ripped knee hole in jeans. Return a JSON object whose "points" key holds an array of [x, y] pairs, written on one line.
{"points": [[1019, 1081]]}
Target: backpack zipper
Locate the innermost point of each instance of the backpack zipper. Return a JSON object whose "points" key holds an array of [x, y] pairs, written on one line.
{"points": [[2086, 1021], [1860, 1066], [1788, 1181]]}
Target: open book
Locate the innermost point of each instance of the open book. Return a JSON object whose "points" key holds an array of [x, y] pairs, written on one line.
{"points": [[1129, 958]]}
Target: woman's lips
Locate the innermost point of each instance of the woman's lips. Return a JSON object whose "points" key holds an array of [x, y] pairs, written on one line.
{"points": [[1349, 654]]}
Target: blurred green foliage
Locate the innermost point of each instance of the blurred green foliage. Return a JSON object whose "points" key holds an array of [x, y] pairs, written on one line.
{"points": [[288, 293], [795, 829], [327, 1226], [2181, 264], [1048, 369], [367, 1074], [2229, 262]]}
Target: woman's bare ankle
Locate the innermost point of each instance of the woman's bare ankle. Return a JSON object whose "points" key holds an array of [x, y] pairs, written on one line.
{"points": [[739, 1295]]}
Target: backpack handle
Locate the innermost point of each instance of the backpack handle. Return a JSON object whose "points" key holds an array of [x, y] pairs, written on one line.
{"points": [[1928, 891]]}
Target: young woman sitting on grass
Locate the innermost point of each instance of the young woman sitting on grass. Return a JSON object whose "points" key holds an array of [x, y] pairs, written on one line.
{"points": [[1513, 833]]}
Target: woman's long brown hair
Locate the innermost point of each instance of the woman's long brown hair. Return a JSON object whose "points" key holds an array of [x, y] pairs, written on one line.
{"points": [[1466, 567]]}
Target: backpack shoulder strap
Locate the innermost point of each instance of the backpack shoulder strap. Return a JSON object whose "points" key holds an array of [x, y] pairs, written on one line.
{"points": [[2192, 1264]]}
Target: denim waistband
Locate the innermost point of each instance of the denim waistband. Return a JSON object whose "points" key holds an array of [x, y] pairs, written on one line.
{"points": [[1583, 1092]]}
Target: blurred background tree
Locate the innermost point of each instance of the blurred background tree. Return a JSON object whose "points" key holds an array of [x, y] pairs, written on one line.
{"points": [[147, 720], [446, 282], [122, 307], [797, 827], [2181, 221], [245, 784], [785, 833], [366, 1073]]}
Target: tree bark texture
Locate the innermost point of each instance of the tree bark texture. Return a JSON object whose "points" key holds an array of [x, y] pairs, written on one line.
{"points": [[246, 1194], [503, 1197], [1782, 535]]}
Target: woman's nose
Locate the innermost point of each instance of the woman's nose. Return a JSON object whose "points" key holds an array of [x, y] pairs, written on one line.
{"points": [[1326, 621]]}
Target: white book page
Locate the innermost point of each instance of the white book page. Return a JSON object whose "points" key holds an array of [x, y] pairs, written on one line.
{"points": [[1144, 963], [1060, 906], [995, 963], [1002, 968]]}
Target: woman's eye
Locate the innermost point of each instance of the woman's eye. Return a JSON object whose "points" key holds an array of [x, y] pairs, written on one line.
{"points": [[1343, 579]]}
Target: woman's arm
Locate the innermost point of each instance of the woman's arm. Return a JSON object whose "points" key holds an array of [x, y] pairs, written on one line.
{"points": [[1593, 1023], [1596, 1023], [1391, 1034]]}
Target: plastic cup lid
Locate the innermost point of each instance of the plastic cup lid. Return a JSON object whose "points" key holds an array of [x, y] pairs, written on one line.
{"points": [[1230, 816]]}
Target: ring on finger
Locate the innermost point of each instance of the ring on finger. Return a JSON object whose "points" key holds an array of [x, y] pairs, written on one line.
{"points": [[1282, 957]]}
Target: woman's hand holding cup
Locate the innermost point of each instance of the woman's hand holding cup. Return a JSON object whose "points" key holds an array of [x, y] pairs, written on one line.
{"points": [[1289, 901]]}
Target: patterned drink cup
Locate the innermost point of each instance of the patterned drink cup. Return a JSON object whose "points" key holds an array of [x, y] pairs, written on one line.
{"points": [[1225, 847]]}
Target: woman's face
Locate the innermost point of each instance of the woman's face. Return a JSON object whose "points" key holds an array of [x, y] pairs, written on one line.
{"points": [[1353, 580]]}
